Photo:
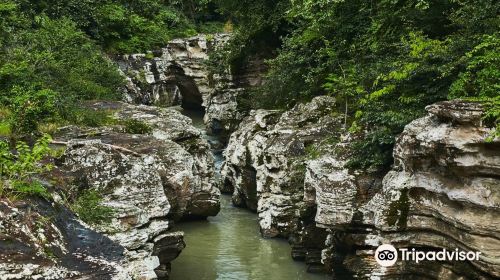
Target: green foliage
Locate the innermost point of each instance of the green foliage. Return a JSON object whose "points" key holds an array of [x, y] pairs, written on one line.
{"points": [[482, 75], [384, 61], [137, 127], [91, 118], [480, 80], [128, 26], [89, 208], [4, 122], [260, 25], [19, 168], [56, 55], [210, 28], [29, 107], [5, 129], [312, 152], [124, 31], [46, 69], [51, 52]]}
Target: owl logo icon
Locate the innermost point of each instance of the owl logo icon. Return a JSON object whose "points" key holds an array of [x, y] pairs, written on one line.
{"points": [[386, 255]]}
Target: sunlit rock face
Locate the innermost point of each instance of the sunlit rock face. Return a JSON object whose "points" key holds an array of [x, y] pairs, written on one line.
{"points": [[175, 75], [178, 74], [441, 193], [174, 152], [265, 166], [148, 179]]}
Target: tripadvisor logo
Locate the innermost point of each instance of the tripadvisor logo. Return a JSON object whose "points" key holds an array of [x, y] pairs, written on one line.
{"points": [[387, 255]]}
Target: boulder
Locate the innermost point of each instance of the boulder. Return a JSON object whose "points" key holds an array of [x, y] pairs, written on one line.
{"points": [[149, 180], [442, 193], [265, 165], [42, 240]]}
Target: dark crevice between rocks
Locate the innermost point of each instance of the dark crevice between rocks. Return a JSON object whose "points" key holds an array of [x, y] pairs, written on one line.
{"points": [[308, 242], [190, 96], [247, 194]]}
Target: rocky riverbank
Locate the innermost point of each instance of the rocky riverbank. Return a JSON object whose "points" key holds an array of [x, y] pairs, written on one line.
{"points": [[149, 179], [441, 193], [154, 168], [150, 165]]}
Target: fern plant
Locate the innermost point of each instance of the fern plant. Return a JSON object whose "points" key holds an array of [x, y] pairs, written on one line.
{"points": [[19, 167]]}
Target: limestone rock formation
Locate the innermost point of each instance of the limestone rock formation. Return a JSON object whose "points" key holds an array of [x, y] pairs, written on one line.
{"points": [[174, 75], [442, 193], [174, 151], [40, 240], [265, 165], [178, 75], [225, 106], [150, 179]]}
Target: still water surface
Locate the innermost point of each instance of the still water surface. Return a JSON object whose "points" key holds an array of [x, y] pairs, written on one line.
{"points": [[230, 246]]}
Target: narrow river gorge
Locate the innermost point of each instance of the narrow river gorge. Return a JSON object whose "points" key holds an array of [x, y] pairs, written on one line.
{"points": [[140, 197], [230, 246]]}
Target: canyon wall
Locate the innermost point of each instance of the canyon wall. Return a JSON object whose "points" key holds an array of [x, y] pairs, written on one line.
{"points": [[150, 179], [265, 165], [179, 74], [290, 167], [442, 191]]}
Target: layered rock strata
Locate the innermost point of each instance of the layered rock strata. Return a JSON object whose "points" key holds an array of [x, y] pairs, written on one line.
{"points": [[150, 166], [175, 75], [148, 179], [178, 74], [441, 193], [265, 165]]}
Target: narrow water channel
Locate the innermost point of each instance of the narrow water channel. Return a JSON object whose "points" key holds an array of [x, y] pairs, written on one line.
{"points": [[230, 246]]}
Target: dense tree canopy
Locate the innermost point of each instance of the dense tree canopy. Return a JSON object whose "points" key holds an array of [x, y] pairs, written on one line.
{"points": [[383, 60], [54, 53]]}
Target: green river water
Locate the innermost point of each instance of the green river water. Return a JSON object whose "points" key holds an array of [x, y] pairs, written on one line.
{"points": [[230, 246]]}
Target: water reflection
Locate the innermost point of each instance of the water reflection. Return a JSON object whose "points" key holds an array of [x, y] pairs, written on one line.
{"points": [[229, 246]]}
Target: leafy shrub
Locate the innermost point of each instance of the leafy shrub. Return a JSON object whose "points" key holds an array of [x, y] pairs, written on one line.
{"points": [[4, 122], [57, 49], [137, 127], [129, 26], [19, 168], [90, 117], [29, 107], [4, 128], [210, 28], [46, 70], [481, 79], [89, 208]]}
